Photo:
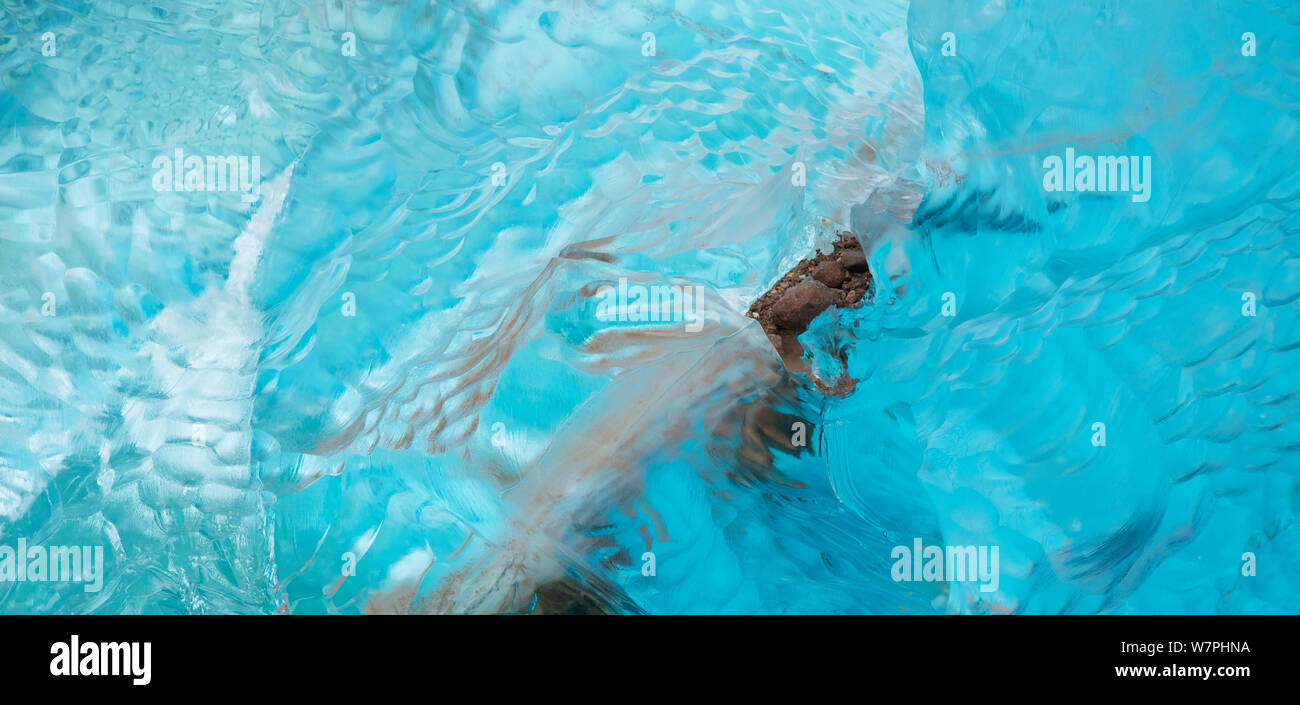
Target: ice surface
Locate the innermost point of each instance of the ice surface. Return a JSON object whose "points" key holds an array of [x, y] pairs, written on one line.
{"points": [[382, 386]]}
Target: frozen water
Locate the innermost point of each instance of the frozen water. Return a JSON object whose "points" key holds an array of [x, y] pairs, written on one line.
{"points": [[382, 384]]}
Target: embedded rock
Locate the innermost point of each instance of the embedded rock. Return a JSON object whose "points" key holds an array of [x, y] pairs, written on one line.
{"points": [[801, 303], [830, 272], [854, 260], [839, 279]]}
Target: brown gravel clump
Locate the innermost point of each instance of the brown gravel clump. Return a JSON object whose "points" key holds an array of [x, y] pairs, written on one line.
{"points": [[839, 279]]}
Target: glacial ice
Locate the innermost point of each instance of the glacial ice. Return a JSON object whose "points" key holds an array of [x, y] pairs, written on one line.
{"points": [[382, 387]]}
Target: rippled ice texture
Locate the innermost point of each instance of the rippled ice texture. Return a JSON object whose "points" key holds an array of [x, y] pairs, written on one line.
{"points": [[203, 405]]}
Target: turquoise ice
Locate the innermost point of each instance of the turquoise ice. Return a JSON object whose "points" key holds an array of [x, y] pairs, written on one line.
{"points": [[382, 386]]}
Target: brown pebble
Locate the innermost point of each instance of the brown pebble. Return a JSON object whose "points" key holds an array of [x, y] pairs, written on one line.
{"points": [[854, 261], [801, 304], [830, 273]]}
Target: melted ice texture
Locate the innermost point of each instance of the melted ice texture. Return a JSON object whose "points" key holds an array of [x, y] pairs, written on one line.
{"points": [[203, 405]]}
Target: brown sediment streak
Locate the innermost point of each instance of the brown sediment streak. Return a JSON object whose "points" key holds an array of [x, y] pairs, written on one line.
{"points": [[463, 545], [1016, 145], [670, 385], [661, 529], [570, 253], [1019, 147], [481, 362], [401, 600], [669, 380]]}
